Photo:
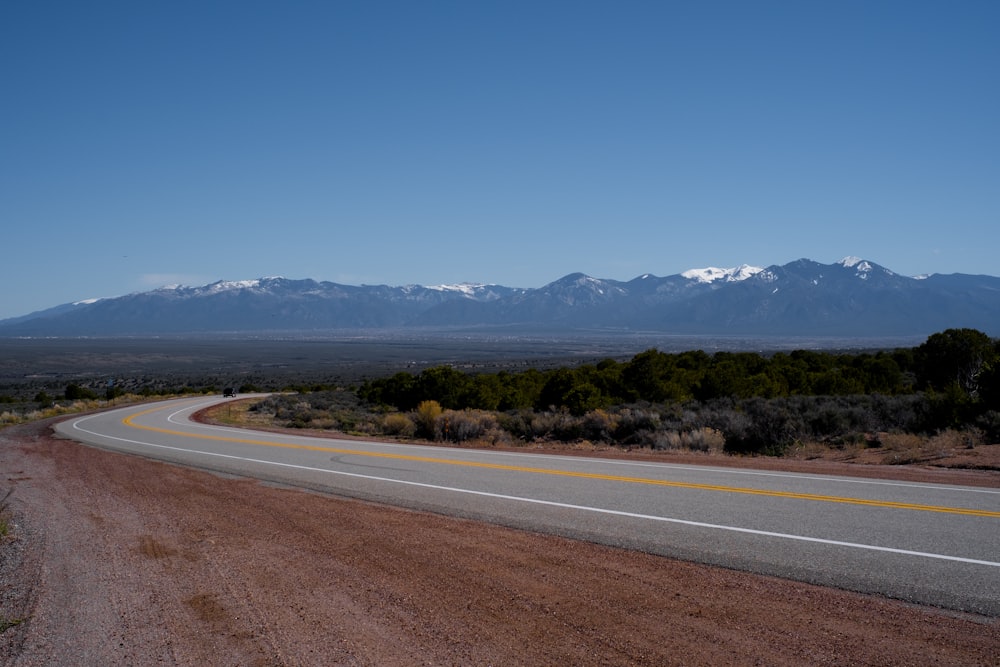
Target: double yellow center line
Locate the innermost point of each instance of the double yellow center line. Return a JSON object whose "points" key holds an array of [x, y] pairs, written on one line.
{"points": [[128, 421]]}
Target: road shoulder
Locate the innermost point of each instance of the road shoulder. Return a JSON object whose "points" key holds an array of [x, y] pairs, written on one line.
{"points": [[114, 559]]}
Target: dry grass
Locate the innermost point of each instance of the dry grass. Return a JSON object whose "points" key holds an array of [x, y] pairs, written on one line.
{"points": [[908, 448], [949, 448], [238, 413], [9, 418]]}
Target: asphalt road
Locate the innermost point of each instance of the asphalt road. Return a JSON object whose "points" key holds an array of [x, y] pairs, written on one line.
{"points": [[925, 543]]}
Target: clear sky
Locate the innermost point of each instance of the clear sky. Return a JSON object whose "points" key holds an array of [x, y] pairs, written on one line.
{"points": [[150, 143]]}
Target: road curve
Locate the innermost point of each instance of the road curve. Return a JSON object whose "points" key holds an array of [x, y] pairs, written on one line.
{"points": [[926, 543]]}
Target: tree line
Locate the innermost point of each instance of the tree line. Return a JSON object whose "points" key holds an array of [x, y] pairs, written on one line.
{"points": [[759, 402], [963, 362]]}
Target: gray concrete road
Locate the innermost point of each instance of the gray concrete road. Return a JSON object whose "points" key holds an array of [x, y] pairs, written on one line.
{"points": [[926, 543]]}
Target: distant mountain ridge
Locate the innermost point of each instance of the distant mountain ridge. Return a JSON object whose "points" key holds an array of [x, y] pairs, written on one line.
{"points": [[853, 298]]}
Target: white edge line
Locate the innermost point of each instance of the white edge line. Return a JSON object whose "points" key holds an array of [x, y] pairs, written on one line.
{"points": [[549, 503]]}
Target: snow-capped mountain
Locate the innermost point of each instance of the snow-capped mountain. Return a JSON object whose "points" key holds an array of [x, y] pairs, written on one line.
{"points": [[852, 297], [713, 274]]}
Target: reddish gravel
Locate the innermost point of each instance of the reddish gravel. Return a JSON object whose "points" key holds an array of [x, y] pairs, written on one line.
{"points": [[117, 560]]}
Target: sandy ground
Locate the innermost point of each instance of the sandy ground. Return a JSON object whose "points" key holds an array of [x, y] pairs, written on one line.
{"points": [[117, 560]]}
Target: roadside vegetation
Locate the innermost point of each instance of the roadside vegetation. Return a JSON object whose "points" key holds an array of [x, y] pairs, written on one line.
{"points": [[77, 398], [906, 403], [22, 412], [903, 405]]}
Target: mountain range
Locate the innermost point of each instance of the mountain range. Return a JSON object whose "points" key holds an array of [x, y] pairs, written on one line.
{"points": [[850, 298]]}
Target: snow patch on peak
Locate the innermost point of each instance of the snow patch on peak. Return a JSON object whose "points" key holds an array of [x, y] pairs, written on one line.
{"points": [[706, 275], [768, 277], [862, 267], [226, 285], [744, 271], [712, 274], [469, 289]]}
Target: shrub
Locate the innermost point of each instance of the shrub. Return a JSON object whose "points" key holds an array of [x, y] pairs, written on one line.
{"points": [[566, 428], [517, 423], [698, 440], [633, 424], [398, 424], [768, 428], [426, 417], [599, 425], [667, 440], [464, 425]]}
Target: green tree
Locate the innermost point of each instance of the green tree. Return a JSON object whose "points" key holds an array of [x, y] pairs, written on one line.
{"points": [[399, 391], [955, 356], [583, 397], [726, 378], [520, 390], [880, 372], [793, 373], [647, 376], [444, 384], [75, 392], [557, 386], [485, 392]]}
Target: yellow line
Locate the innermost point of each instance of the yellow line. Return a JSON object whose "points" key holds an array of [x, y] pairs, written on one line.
{"points": [[569, 473]]}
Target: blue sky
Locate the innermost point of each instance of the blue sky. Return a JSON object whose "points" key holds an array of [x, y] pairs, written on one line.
{"points": [[149, 143]]}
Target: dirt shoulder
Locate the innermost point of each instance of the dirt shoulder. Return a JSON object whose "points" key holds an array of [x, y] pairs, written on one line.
{"points": [[118, 560]]}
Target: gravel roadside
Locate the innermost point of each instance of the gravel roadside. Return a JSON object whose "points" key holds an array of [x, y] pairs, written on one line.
{"points": [[118, 560]]}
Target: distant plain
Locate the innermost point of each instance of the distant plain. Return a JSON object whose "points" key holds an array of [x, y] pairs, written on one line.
{"points": [[29, 365]]}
